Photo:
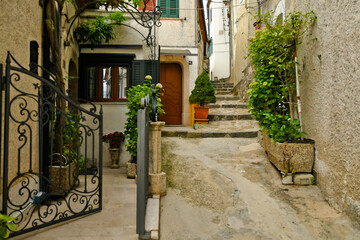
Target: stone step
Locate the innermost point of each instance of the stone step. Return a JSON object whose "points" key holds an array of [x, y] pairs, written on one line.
{"points": [[228, 111], [221, 97], [223, 85], [187, 134], [229, 114], [228, 104], [224, 80], [228, 117], [222, 92], [235, 129], [223, 88]]}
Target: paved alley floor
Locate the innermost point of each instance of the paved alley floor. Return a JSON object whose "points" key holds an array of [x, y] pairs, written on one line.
{"points": [[225, 188], [117, 220]]}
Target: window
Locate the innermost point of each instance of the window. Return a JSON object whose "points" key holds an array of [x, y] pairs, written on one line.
{"points": [[211, 47], [169, 8], [105, 77], [108, 83]]}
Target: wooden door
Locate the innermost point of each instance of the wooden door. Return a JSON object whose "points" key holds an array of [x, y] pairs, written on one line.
{"points": [[171, 79]]}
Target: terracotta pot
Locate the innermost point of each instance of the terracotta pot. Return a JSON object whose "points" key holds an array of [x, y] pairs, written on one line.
{"points": [[115, 157], [201, 112]]}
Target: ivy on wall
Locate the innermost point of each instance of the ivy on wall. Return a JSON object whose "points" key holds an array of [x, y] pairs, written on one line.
{"points": [[273, 93]]}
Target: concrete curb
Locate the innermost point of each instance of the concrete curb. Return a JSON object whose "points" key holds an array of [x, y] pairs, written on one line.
{"points": [[152, 217]]}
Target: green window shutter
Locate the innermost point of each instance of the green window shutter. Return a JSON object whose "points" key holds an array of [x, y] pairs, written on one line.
{"points": [[163, 8], [141, 68], [169, 8], [138, 74], [174, 8], [152, 68], [211, 47]]}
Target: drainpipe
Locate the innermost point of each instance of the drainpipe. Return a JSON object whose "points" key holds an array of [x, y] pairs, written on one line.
{"points": [[230, 37], [298, 89], [259, 9]]}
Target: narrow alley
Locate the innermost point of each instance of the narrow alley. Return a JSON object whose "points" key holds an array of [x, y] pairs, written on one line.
{"points": [[225, 188]]}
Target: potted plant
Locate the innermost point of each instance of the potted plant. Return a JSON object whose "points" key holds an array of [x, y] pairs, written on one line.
{"points": [[114, 139], [67, 164], [202, 94], [273, 94]]}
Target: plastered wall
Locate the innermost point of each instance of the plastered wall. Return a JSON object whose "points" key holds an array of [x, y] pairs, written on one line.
{"points": [[329, 90], [220, 57], [331, 104], [179, 32], [20, 23]]}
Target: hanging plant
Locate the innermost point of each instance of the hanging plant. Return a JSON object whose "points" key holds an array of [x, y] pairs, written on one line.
{"points": [[99, 30], [273, 93]]}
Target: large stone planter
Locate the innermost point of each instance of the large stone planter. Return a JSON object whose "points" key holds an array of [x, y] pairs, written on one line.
{"points": [[131, 170], [115, 157], [286, 157]]}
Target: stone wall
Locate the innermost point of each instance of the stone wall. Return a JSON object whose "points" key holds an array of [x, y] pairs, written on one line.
{"points": [[329, 92], [242, 19]]}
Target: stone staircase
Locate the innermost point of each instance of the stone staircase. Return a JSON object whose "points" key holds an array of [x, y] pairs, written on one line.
{"points": [[228, 117]]}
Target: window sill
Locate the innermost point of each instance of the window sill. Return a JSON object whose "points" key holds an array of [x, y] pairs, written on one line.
{"points": [[174, 19]]}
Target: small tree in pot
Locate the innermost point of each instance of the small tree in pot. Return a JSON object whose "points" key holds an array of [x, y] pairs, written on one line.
{"points": [[202, 94]]}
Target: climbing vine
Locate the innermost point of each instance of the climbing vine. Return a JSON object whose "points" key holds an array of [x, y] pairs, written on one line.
{"points": [[273, 93], [135, 94]]}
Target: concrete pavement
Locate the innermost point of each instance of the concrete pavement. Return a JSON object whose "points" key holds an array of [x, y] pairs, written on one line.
{"points": [[117, 220], [225, 188]]}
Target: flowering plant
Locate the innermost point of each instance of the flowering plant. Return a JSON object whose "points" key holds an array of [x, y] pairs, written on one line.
{"points": [[114, 139]]}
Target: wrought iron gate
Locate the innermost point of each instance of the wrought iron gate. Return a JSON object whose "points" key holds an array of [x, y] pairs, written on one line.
{"points": [[51, 151]]}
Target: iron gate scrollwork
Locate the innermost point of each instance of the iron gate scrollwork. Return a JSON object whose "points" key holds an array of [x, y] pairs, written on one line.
{"points": [[51, 153]]}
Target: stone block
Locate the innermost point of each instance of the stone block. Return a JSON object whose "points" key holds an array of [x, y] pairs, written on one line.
{"points": [[152, 216], [157, 183], [154, 235], [288, 180], [303, 179]]}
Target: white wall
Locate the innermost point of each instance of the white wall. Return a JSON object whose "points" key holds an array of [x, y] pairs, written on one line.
{"points": [[219, 32], [114, 119]]}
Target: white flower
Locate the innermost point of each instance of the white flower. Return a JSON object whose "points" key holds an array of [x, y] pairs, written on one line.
{"points": [[148, 77], [159, 85]]}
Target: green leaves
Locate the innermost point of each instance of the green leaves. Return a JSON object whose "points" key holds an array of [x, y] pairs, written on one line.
{"points": [[272, 52], [135, 94], [99, 30], [6, 222], [204, 91]]}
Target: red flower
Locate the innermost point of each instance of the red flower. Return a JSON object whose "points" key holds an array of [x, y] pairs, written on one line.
{"points": [[114, 139]]}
